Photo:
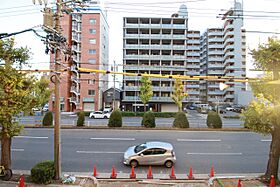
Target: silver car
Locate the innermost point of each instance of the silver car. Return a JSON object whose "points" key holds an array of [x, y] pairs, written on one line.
{"points": [[150, 153]]}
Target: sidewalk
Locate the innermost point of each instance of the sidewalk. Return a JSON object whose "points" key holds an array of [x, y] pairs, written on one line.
{"points": [[159, 180]]}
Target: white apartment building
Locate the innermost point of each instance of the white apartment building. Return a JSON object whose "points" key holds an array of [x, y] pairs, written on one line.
{"points": [[223, 53], [159, 46]]}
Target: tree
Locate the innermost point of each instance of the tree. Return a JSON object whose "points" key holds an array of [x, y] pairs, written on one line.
{"points": [[178, 93], [15, 94], [146, 90], [42, 91], [263, 115]]}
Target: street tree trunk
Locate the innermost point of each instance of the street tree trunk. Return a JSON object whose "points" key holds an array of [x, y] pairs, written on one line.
{"points": [[6, 142], [145, 107], [274, 153]]}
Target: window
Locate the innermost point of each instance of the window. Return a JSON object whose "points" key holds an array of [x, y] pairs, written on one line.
{"points": [[159, 151], [92, 41], [91, 81], [92, 21], [148, 152], [92, 51], [92, 31], [92, 61], [91, 92]]}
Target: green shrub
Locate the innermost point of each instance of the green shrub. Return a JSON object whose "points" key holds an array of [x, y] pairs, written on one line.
{"points": [[214, 120], [81, 119], [48, 119], [115, 119], [43, 172], [149, 120], [181, 120]]}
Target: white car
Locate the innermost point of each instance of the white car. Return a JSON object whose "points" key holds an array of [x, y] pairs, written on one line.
{"points": [[229, 108], [99, 114]]}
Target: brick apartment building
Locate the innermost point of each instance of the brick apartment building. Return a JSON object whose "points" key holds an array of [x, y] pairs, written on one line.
{"points": [[86, 32]]}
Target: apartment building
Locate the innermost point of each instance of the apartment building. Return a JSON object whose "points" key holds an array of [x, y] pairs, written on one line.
{"points": [[87, 34], [159, 46], [223, 53]]}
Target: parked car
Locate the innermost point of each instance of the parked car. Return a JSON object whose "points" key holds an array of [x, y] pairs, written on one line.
{"points": [[46, 108], [229, 108], [99, 114], [150, 153]]}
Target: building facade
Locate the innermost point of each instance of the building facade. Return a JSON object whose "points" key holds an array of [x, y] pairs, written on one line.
{"points": [[223, 53], [159, 46], [87, 33], [167, 46]]}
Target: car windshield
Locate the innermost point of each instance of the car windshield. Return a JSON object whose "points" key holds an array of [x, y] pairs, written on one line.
{"points": [[139, 148]]}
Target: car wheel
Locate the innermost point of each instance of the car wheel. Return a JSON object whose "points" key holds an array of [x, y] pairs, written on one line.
{"points": [[134, 163], [92, 117], [105, 117], [168, 164]]}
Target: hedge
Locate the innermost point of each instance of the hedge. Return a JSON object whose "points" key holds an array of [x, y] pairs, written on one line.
{"points": [[43, 172]]}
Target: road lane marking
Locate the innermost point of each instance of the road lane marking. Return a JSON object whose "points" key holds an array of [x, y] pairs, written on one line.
{"points": [[198, 140], [17, 149], [217, 154], [32, 137], [266, 140], [121, 139], [99, 152]]}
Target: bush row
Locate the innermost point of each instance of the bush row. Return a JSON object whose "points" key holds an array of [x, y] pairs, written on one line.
{"points": [[180, 121], [141, 114]]}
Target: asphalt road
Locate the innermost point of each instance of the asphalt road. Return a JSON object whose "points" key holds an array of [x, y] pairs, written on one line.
{"points": [[228, 152], [196, 120]]}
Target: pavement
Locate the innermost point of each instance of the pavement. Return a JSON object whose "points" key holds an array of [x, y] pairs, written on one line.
{"points": [[159, 180]]}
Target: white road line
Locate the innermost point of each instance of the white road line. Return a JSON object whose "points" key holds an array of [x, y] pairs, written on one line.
{"points": [[99, 152], [222, 154], [198, 140], [265, 140], [122, 139], [17, 149], [32, 137]]}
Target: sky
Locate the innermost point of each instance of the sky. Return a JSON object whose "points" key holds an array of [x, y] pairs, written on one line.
{"points": [[259, 15]]}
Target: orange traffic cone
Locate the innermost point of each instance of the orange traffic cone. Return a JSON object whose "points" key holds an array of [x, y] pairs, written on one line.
{"points": [[21, 181], [94, 171], [114, 174], [150, 173], [132, 175], [190, 175], [172, 174], [272, 181], [212, 172], [239, 183]]}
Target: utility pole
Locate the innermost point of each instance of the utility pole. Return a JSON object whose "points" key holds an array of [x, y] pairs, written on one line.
{"points": [[57, 139], [57, 42], [114, 92]]}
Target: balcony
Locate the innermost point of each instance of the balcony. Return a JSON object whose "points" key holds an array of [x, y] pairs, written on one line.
{"points": [[161, 88], [75, 90], [179, 47], [131, 88], [74, 68], [76, 48], [131, 36], [190, 47], [177, 36], [75, 79], [75, 100], [215, 72], [131, 25], [193, 92]]}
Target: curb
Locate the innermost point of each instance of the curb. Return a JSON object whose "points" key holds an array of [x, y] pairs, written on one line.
{"points": [[225, 129]]}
